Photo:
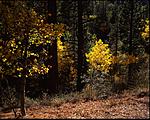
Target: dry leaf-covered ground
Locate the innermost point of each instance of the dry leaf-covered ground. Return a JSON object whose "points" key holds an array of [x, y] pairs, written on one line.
{"points": [[124, 106]]}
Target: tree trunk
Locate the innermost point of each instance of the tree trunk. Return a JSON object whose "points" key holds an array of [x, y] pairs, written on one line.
{"points": [[23, 80], [22, 96], [130, 82], [52, 80], [80, 45]]}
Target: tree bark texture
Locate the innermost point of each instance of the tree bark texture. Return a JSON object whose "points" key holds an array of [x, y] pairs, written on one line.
{"points": [[52, 81], [80, 45]]}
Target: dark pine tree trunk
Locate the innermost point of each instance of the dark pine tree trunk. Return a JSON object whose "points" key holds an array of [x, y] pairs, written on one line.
{"points": [[52, 81], [80, 46], [130, 82]]}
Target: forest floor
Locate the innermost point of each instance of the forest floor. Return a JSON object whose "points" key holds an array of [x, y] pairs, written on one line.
{"points": [[124, 106]]}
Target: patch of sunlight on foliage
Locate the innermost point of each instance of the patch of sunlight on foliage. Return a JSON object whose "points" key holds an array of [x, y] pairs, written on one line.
{"points": [[145, 33], [100, 57]]}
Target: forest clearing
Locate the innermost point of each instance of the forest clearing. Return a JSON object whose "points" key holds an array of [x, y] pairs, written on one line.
{"points": [[124, 106]]}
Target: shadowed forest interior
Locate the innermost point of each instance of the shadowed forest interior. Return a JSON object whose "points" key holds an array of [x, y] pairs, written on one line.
{"points": [[72, 50]]}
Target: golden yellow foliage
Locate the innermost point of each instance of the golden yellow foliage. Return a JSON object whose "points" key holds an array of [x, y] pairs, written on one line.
{"points": [[145, 33], [29, 29], [100, 57]]}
